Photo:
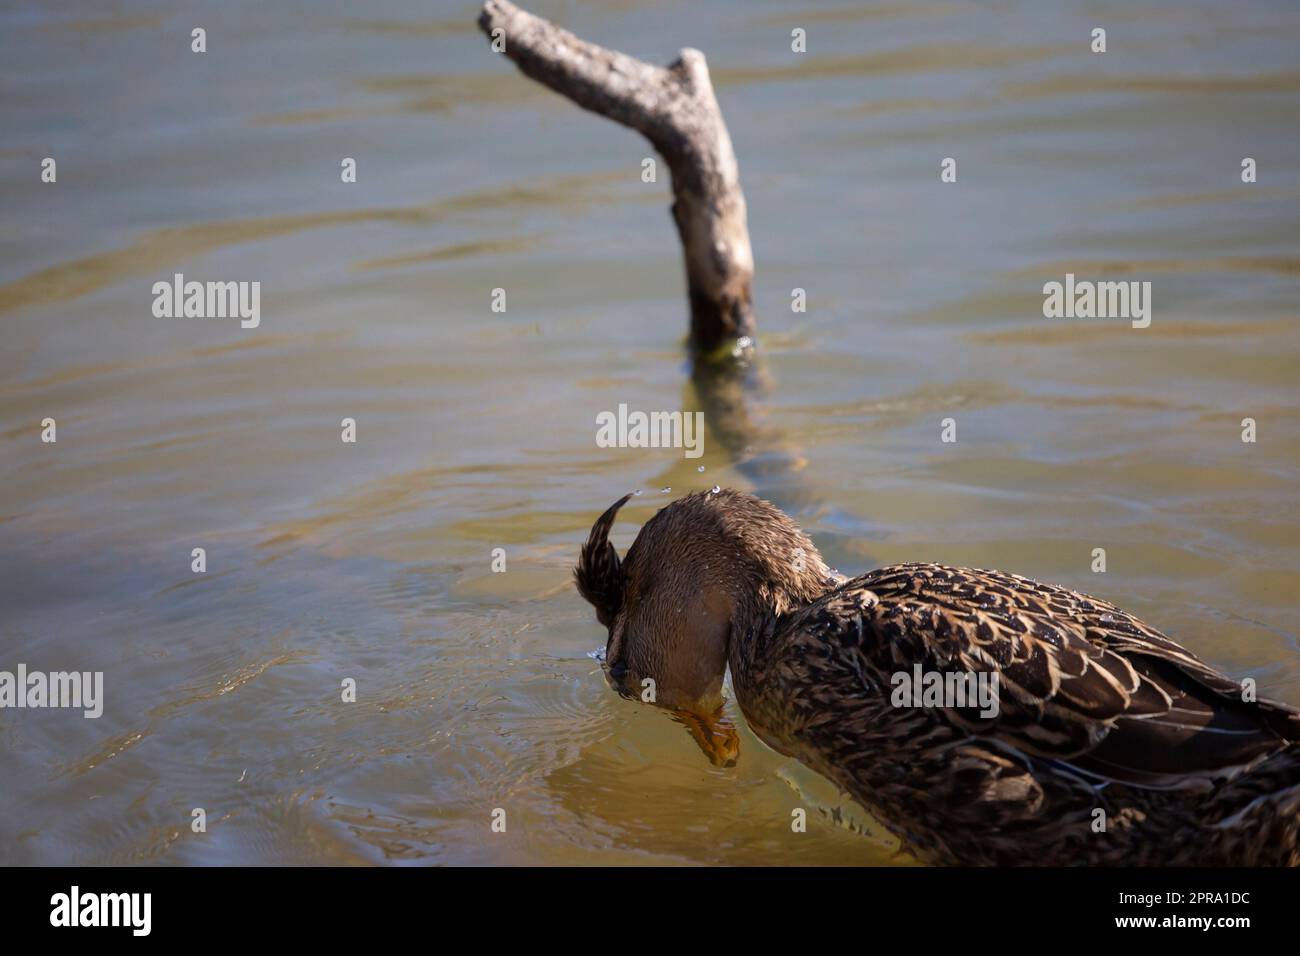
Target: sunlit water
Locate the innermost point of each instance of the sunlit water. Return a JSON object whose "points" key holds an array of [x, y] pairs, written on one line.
{"points": [[371, 561]]}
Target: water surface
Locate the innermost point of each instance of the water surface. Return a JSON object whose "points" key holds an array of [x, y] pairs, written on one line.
{"points": [[477, 429]]}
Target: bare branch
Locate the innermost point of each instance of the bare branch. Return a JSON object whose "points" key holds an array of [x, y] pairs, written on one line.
{"points": [[675, 108]]}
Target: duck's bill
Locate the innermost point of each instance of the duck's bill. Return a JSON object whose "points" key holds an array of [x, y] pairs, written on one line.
{"points": [[716, 736]]}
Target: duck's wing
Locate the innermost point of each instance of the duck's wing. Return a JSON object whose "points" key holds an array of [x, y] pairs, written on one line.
{"points": [[1080, 681]]}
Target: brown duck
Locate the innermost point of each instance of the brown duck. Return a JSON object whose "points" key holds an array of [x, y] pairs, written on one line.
{"points": [[1110, 744]]}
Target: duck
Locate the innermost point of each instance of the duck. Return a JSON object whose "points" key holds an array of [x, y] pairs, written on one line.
{"points": [[1110, 744]]}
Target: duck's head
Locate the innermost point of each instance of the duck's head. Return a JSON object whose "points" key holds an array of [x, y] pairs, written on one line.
{"points": [[705, 567]]}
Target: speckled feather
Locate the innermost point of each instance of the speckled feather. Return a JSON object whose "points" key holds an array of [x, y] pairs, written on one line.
{"points": [[1097, 711]]}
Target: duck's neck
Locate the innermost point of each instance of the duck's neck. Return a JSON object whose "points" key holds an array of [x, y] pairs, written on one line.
{"points": [[753, 647], [751, 657]]}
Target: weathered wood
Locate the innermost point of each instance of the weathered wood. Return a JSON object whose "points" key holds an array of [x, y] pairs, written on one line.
{"points": [[674, 107]]}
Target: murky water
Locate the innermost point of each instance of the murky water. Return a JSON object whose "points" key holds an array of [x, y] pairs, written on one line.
{"points": [[371, 560]]}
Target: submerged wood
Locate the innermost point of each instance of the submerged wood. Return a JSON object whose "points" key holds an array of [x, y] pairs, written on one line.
{"points": [[674, 107]]}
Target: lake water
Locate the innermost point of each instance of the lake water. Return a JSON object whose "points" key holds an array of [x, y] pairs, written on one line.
{"points": [[476, 429]]}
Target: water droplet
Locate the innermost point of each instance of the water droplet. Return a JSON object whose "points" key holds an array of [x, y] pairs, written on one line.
{"points": [[700, 469], [716, 489], [664, 491], [637, 492]]}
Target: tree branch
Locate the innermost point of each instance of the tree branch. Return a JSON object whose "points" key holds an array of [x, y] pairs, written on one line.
{"points": [[676, 110]]}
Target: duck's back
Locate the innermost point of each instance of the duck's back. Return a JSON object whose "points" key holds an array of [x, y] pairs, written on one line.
{"points": [[1093, 711]]}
